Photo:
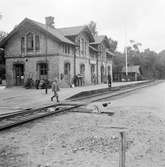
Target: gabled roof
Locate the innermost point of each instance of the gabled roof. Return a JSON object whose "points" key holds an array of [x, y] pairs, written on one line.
{"points": [[76, 30], [134, 68], [101, 38], [71, 31], [51, 31]]}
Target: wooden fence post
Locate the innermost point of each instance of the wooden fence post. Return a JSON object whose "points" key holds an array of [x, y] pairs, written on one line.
{"points": [[122, 150]]}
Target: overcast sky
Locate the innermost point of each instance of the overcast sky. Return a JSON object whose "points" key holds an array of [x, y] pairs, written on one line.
{"points": [[122, 20]]}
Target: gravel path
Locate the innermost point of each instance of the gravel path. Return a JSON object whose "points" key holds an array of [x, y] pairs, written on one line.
{"points": [[76, 140]]}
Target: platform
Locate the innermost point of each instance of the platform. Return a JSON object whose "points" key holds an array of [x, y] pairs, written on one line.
{"points": [[18, 98]]}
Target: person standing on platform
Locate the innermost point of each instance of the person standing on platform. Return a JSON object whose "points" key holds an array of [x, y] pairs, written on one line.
{"points": [[55, 89], [109, 80]]}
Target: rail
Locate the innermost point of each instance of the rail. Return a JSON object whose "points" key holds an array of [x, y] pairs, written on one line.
{"points": [[20, 117]]}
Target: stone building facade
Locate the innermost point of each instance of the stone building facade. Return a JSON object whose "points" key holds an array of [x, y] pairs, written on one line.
{"points": [[41, 51]]}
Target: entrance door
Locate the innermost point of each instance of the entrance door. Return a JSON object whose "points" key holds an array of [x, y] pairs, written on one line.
{"points": [[92, 73], [19, 74], [102, 74]]}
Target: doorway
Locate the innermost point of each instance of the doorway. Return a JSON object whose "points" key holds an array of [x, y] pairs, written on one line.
{"points": [[19, 74]]}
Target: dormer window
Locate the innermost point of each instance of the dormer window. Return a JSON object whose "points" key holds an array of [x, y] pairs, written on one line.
{"points": [[30, 42]]}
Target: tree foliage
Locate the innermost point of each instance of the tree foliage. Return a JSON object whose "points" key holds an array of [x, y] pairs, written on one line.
{"points": [[152, 64], [118, 62], [2, 35], [113, 45], [92, 27]]}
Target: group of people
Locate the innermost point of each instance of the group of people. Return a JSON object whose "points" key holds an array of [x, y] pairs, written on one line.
{"points": [[55, 88]]}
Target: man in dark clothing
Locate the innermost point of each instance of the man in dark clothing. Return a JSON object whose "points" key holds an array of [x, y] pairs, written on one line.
{"points": [[109, 81]]}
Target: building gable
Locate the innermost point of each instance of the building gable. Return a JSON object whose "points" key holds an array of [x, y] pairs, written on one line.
{"points": [[73, 32], [54, 33]]}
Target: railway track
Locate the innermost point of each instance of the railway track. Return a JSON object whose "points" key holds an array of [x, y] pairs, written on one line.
{"points": [[17, 118], [14, 119]]}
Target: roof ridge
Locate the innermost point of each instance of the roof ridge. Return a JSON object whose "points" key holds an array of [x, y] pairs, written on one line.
{"points": [[72, 27]]}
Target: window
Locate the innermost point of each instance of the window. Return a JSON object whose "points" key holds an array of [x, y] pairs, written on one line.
{"points": [[22, 44], [43, 69], [66, 48], [82, 47], [82, 69], [67, 68], [37, 42], [85, 48], [30, 43]]}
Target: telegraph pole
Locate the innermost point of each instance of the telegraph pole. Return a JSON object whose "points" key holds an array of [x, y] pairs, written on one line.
{"points": [[126, 55], [126, 63]]}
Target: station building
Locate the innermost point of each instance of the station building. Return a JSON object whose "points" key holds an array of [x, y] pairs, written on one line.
{"points": [[42, 51]]}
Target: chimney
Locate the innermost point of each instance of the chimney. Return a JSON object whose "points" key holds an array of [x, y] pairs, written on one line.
{"points": [[49, 21]]}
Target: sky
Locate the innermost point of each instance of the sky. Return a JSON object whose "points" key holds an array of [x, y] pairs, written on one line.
{"points": [[121, 20]]}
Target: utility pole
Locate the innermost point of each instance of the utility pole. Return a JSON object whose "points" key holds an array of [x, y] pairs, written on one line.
{"points": [[126, 55], [126, 63]]}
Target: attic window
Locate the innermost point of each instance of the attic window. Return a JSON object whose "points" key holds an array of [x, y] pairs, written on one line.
{"points": [[66, 48], [30, 42], [37, 42], [22, 44]]}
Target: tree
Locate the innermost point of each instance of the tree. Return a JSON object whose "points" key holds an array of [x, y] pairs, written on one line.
{"points": [[118, 62], [152, 65], [135, 45], [113, 45], [2, 35], [92, 28]]}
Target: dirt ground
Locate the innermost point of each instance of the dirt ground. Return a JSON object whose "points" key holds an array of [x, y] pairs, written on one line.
{"points": [[80, 140]]}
